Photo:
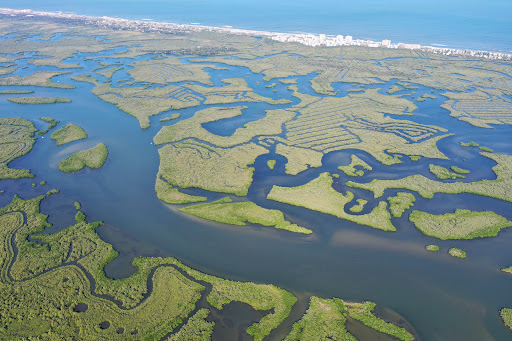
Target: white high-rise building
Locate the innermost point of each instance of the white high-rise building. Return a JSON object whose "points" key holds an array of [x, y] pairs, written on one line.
{"points": [[348, 39], [386, 42], [322, 38]]}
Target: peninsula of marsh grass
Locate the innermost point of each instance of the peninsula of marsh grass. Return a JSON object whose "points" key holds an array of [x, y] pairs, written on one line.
{"points": [[318, 195], [38, 100], [92, 158], [363, 312], [68, 133], [500, 188], [16, 140], [462, 224], [443, 173], [239, 213], [400, 203], [324, 320], [351, 170]]}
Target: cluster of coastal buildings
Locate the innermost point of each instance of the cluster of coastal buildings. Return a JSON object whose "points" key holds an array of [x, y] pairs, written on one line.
{"points": [[305, 39]]}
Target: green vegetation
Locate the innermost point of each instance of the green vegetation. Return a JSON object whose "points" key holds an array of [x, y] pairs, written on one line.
{"points": [[432, 248], [238, 213], [271, 124], [299, 159], [52, 123], [68, 133], [38, 100], [400, 203], [47, 277], [506, 316], [41, 78], [16, 92], [507, 270], [93, 158], [42, 183], [443, 173], [355, 161], [318, 195], [324, 320], [415, 157], [197, 328], [454, 252], [500, 188], [170, 118], [363, 312], [194, 164], [459, 170], [16, 140], [463, 224], [258, 296], [171, 195], [485, 149], [358, 208], [469, 144], [271, 164]]}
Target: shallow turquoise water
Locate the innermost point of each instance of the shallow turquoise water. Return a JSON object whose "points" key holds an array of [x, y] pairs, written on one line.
{"points": [[442, 297]]}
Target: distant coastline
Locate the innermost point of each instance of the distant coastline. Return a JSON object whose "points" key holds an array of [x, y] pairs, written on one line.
{"points": [[146, 25]]}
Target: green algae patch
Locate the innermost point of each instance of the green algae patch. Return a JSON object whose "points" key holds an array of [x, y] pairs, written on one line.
{"points": [[38, 100], [239, 213], [462, 224], [271, 164], [432, 248], [318, 195], [351, 170], [443, 173], [459, 170], [77, 205], [506, 317], [500, 188], [324, 320], [400, 203], [92, 158], [455, 252], [171, 195], [68, 133], [415, 157], [197, 328], [363, 312]]}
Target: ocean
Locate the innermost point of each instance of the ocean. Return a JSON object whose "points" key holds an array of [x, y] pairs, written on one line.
{"points": [[467, 24]]}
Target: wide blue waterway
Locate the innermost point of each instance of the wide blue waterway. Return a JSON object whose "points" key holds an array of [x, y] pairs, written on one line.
{"points": [[470, 24]]}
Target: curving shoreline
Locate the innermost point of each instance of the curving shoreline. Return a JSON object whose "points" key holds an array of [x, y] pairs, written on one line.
{"points": [[302, 38]]}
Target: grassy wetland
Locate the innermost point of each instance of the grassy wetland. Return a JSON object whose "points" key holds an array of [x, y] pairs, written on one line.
{"points": [[307, 139], [69, 133], [93, 158]]}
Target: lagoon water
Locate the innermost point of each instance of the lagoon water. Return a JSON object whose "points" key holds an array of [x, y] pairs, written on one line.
{"points": [[442, 297], [469, 24]]}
